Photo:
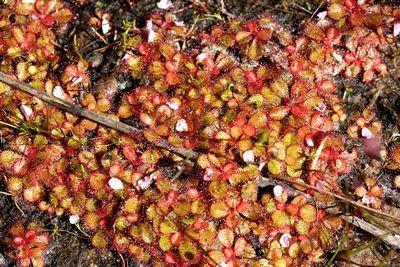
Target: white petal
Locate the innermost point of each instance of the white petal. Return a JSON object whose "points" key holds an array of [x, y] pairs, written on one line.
{"points": [[365, 132], [367, 199], [285, 240], [321, 108], [177, 46], [115, 184], [127, 56], [58, 92], [322, 15], [179, 23], [164, 4], [278, 190], [248, 156], [396, 29], [151, 37], [105, 26], [261, 166], [209, 173], [309, 142], [144, 183], [337, 56], [28, 1], [147, 181], [172, 105], [320, 185], [149, 25], [201, 57], [181, 125], [26, 110], [73, 219], [76, 80]]}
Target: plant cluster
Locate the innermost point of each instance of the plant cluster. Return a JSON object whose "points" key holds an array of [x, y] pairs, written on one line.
{"points": [[257, 104], [27, 244]]}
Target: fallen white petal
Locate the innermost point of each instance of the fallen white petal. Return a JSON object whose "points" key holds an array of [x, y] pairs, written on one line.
{"points": [[309, 142], [319, 185], [58, 92], [146, 181], [365, 132], [321, 108], [115, 184], [278, 190], [181, 125], [149, 25], [322, 15], [105, 26], [201, 57], [177, 46], [172, 105], [337, 56], [76, 80], [248, 156], [151, 37], [164, 4], [396, 29], [179, 23], [285, 240], [367, 199], [127, 56], [261, 166], [73, 219], [26, 110], [209, 173]]}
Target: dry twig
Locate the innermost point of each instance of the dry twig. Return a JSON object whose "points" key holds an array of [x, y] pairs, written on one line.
{"points": [[98, 118]]}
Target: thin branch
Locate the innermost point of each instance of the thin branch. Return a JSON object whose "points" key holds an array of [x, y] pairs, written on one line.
{"points": [[391, 239], [98, 118]]}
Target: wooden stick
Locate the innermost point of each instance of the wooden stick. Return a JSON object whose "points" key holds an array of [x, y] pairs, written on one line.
{"points": [[98, 118], [391, 239]]}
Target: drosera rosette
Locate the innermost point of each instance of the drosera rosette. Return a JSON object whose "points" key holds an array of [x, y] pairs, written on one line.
{"points": [[27, 245], [370, 193], [371, 31], [47, 12], [365, 126], [31, 37], [328, 161], [394, 159], [75, 75]]}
